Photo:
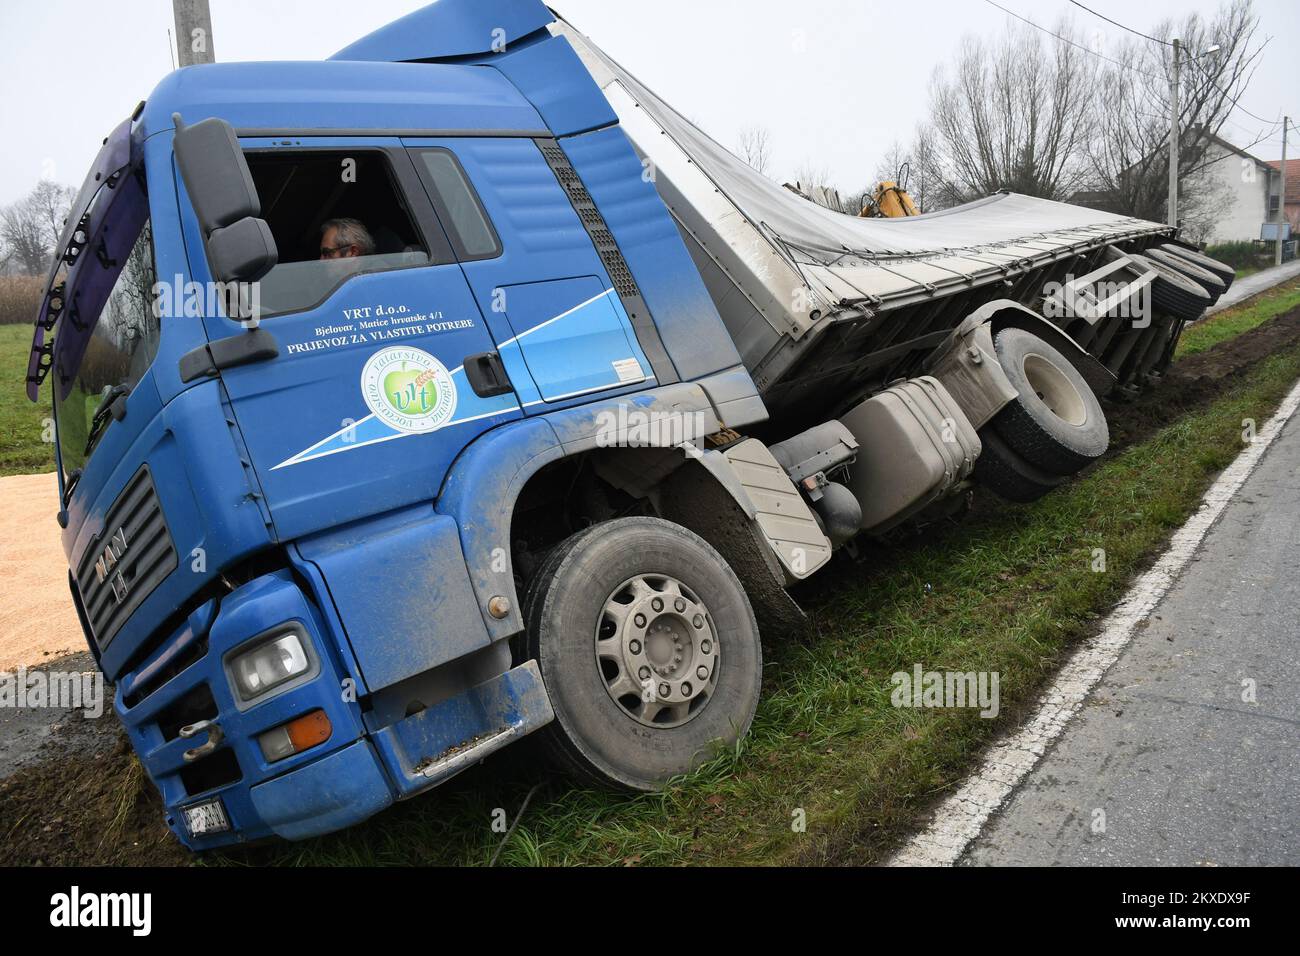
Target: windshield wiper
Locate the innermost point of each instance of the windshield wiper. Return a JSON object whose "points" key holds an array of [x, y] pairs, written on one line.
{"points": [[69, 485], [114, 404]]}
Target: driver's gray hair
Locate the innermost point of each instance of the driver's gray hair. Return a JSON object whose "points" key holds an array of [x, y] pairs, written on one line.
{"points": [[351, 232]]}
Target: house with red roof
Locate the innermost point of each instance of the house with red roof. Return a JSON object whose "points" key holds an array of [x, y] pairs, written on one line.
{"points": [[1291, 205]]}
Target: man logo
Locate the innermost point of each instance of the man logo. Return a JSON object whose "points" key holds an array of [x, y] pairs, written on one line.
{"points": [[107, 563]]}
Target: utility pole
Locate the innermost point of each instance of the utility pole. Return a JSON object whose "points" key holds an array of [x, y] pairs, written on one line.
{"points": [[1281, 198], [193, 32], [1173, 138]]}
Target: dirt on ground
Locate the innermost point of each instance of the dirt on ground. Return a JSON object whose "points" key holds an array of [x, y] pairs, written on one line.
{"points": [[89, 801], [37, 620], [89, 804], [1196, 380]]}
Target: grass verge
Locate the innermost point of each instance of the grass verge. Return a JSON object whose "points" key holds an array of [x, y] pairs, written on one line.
{"points": [[1241, 318], [25, 427]]}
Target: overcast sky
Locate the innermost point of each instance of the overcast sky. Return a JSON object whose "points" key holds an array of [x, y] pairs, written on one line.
{"points": [[835, 81]]}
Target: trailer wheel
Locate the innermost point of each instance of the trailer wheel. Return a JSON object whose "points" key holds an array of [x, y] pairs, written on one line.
{"points": [[1207, 280], [1009, 476], [648, 648], [1172, 292], [1224, 271], [1056, 424]]}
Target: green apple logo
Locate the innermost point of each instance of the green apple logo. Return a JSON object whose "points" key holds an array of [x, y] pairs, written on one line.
{"points": [[408, 389], [411, 390]]}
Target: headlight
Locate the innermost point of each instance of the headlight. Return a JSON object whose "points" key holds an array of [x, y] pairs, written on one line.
{"points": [[268, 665]]}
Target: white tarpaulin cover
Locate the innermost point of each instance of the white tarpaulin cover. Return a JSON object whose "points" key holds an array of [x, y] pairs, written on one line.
{"points": [[727, 206]]}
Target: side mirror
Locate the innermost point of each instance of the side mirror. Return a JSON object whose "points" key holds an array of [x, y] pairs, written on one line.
{"points": [[240, 246]]}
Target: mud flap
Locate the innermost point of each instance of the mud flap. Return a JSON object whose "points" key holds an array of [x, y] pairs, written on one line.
{"points": [[692, 497]]}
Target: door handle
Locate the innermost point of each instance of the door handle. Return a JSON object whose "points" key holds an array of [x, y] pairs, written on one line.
{"points": [[486, 374]]}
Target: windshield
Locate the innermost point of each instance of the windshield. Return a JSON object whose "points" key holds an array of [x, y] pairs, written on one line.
{"points": [[123, 341]]}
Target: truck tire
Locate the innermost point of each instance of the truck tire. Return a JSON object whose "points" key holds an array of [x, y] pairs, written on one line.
{"points": [[635, 607], [1206, 279], [1056, 424], [1172, 292], [1008, 475], [1224, 271]]}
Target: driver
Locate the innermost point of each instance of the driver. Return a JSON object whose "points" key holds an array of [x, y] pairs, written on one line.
{"points": [[345, 239]]}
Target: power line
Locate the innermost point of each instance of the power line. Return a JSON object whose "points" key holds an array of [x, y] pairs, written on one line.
{"points": [[1251, 130], [1103, 16], [1273, 123], [1276, 121], [1127, 66], [1194, 60]]}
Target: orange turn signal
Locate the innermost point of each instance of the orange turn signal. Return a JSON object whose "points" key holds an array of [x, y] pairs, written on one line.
{"points": [[309, 730]]}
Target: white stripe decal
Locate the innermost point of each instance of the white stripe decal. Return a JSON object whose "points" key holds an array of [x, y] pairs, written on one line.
{"points": [[542, 325], [302, 455], [587, 391], [306, 453]]}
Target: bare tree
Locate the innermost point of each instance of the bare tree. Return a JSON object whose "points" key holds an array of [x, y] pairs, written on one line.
{"points": [[890, 165], [1011, 115], [811, 174], [24, 237], [1129, 150], [52, 201], [924, 182], [755, 148], [30, 227], [1203, 196]]}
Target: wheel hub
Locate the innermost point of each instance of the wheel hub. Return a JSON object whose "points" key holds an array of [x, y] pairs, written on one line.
{"points": [[657, 650], [1055, 390]]}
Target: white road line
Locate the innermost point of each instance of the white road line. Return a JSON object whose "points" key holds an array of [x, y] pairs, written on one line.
{"points": [[961, 817]]}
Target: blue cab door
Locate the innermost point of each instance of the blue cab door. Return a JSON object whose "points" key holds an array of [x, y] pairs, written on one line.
{"points": [[563, 334], [367, 402]]}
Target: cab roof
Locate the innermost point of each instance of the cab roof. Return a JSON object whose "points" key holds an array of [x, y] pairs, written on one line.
{"points": [[341, 96]]}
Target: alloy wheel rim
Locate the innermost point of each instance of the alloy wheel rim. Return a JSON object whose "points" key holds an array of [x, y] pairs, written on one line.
{"points": [[657, 651]]}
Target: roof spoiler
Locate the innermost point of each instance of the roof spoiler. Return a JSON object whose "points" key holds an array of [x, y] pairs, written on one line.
{"points": [[451, 29]]}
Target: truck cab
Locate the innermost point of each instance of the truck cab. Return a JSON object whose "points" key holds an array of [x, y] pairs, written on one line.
{"points": [[285, 521]]}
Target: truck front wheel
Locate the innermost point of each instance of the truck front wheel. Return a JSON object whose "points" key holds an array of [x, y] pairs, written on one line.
{"points": [[648, 648]]}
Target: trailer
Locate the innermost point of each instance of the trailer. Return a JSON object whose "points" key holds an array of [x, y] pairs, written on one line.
{"points": [[457, 389]]}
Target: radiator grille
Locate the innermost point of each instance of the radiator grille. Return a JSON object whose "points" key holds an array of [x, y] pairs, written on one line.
{"points": [[127, 560]]}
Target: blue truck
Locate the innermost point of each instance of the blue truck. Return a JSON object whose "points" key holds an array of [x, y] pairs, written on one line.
{"points": [[458, 388]]}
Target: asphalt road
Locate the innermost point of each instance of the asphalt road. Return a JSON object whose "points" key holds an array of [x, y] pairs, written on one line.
{"points": [[1183, 766], [1243, 289]]}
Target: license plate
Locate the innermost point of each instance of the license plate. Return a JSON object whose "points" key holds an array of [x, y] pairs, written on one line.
{"points": [[207, 817]]}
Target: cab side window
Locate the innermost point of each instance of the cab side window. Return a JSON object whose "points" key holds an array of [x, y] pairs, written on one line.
{"points": [[458, 205], [334, 214]]}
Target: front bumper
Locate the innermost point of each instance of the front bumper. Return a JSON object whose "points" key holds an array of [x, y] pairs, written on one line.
{"points": [[335, 784]]}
